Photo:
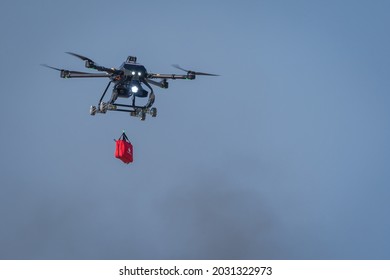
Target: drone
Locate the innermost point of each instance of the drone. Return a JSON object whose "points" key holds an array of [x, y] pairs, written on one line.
{"points": [[128, 82]]}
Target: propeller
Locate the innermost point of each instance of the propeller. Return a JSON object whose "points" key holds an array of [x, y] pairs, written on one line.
{"points": [[81, 57], [193, 72], [73, 72], [89, 63], [77, 74]]}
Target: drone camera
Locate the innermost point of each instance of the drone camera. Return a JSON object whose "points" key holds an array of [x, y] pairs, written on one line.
{"points": [[131, 59]]}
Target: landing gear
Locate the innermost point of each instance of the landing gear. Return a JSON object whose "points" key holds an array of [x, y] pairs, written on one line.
{"points": [[141, 112], [137, 112], [143, 115], [92, 110], [153, 112], [103, 107], [123, 83]]}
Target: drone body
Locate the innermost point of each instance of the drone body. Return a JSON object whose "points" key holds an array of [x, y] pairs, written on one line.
{"points": [[128, 81]]}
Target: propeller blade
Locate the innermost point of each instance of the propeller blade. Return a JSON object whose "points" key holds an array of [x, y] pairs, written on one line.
{"points": [[205, 74], [81, 57], [73, 72], [178, 67], [89, 63], [190, 71], [47, 66]]}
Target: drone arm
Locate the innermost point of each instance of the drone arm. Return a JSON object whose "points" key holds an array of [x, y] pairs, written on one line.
{"points": [[105, 69], [161, 84], [74, 74], [171, 76]]}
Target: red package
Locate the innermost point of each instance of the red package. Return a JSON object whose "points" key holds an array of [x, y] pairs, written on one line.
{"points": [[124, 149]]}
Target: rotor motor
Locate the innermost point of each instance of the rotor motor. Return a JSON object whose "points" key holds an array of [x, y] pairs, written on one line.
{"points": [[89, 64]]}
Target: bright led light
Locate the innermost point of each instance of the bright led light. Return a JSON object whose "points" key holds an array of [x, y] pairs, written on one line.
{"points": [[133, 73], [139, 73], [134, 89]]}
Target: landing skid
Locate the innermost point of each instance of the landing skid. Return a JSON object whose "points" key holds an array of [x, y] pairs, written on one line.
{"points": [[135, 111]]}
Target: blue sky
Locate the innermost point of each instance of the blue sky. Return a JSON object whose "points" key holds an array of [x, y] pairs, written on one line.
{"points": [[284, 156]]}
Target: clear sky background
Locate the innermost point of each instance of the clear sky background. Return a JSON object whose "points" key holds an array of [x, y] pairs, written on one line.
{"points": [[284, 156]]}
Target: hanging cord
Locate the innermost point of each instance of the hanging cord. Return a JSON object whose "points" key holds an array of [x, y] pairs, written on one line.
{"points": [[123, 137]]}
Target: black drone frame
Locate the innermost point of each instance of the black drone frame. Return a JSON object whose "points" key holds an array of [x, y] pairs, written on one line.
{"points": [[123, 78]]}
